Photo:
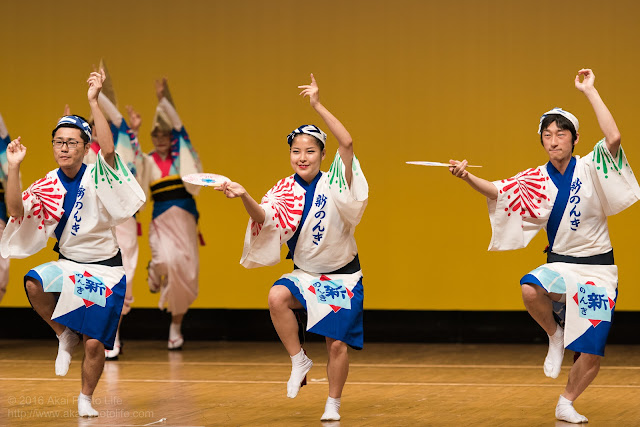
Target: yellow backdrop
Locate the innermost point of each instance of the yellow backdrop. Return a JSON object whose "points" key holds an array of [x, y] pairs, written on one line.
{"points": [[411, 80]]}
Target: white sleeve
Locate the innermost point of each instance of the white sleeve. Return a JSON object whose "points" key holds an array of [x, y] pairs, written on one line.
{"points": [[3, 129], [283, 205], [117, 189], [351, 200], [171, 112], [42, 201], [109, 110], [613, 179], [521, 209]]}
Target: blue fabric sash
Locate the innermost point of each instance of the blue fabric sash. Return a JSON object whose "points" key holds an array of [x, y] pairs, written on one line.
{"points": [[308, 201], [71, 185], [563, 184]]}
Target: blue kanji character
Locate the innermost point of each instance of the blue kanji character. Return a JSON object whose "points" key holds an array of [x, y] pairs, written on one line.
{"points": [[321, 201], [597, 301], [331, 292], [576, 185]]}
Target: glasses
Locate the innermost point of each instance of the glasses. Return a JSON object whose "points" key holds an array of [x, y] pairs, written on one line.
{"points": [[72, 144]]}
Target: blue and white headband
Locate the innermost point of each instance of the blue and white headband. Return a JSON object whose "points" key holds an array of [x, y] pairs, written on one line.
{"points": [[308, 130], [567, 115], [74, 121]]}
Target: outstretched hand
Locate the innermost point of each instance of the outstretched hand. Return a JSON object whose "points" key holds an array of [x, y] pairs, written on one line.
{"points": [[587, 81], [16, 152], [458, 168], [67, 110], [312, 91], [135, 120], [95, 81], [231, 189]]}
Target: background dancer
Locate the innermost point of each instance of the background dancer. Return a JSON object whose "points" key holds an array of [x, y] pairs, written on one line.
{"points": [[173, 231]]}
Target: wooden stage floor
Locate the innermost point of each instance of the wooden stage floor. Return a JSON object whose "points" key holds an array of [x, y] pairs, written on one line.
{"points": [[242, 383]]}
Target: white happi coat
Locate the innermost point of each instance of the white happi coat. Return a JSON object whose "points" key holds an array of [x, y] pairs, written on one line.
{"points": [[326, 241], [601, 185], [106, 197]]}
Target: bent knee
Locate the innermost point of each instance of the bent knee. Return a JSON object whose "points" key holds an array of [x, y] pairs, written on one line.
{"points": [[531, 291], [93, 348], [337, 348], [280, 297], [32, 287]]}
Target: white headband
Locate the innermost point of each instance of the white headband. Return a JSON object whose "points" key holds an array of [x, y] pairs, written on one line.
{"points": [[562, 113], [309, 130]]}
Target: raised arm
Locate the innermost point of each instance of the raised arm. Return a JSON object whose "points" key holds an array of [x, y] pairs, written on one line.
{"points": [[135, 120], [482, 186], [164, 101], [103, 133], [605, 119], [337, 129], [13, 196], [110, 110], [233, 190]]}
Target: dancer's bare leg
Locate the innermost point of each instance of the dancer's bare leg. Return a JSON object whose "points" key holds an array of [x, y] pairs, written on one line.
{"points": [[581, 375], [281, 306], [44, 303], [337, 371], [539, 305], [92, 367]]}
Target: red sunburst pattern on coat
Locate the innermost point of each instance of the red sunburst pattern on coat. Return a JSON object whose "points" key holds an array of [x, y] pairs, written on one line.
{"points": [[47, 196], [525, 192], [286, 207]]}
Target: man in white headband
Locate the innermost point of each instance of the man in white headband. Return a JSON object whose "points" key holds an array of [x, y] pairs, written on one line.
{"points": [[573, 296]]}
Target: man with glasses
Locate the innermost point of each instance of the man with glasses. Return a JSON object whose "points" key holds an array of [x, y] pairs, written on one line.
{"points": [[82, 293]]}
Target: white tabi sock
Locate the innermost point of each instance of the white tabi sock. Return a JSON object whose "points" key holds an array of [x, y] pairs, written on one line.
{"points": [[174, 331], [67, 341], [331, 410], [113, 354], [555, 355], [84, 406], [566, 412], [300, 365], [175, 337]]}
